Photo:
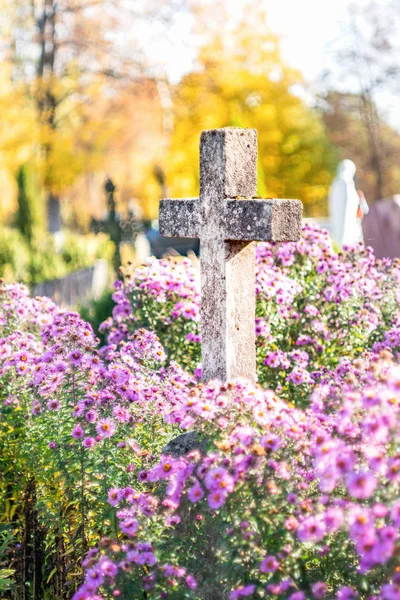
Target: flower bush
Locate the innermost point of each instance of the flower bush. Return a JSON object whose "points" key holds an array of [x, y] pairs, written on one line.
{"points": [[288, 490], [314, 309], [72, 425], [283, 503]]}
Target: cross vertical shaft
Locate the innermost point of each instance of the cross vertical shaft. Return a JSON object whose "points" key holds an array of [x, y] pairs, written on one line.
{"points": [[227, 170]]}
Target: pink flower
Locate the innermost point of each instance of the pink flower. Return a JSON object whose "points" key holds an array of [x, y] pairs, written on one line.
{"points": [[216, 499], [121, 414], [270, 442], [75, 358], [105, 428], [191, 582], [77, 432], [242, 591], [53, 405], [380, 510], [319, 590], [291, 523], [346, 593], [205, 410], [107, 567], [273, 360], [115, 496], [89, 442], [195, 493], [299, 376], [361, 485], [311, 530], [261, 414], [190, 311], [164, 470], [219, 479], [269, 565], [129, 526], [333, 518]]}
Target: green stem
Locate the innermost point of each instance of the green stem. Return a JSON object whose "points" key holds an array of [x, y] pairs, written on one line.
{"points": [[83, 539]]}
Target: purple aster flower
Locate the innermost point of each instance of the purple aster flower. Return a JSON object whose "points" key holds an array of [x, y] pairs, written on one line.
{"points": [[76, 357], [395, 513], [77, 432], [78, 410], [216, 499], [219, 479], [105, 428], [346, 593], [107, 567], [191, 582], [311, 530], [269, 565], [94, 577], [195, 493], [82, 594], [242, 591], [319, 590], [361, 485], [89, 442], [91, 416], [129, 526], [271, 442], [333, 518], [173, 520], [380, 510], [115, 496], [53, 404], [143, 476]]}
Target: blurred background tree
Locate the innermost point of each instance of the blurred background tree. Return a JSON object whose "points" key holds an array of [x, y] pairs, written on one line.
{"points": [[69, 62], [241, 80], [364, 78], [378, 174], [59, 55], [29, 218], [89, 88]]}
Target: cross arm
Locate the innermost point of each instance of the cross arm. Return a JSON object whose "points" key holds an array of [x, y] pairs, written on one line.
{"points": [[269, 220], [179, 218]]}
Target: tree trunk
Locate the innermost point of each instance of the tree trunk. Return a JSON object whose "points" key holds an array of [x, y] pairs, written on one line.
{"points": [[371, 122]]}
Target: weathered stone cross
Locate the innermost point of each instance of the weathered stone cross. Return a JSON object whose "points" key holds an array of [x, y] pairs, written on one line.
{"points": [[227, 218]]}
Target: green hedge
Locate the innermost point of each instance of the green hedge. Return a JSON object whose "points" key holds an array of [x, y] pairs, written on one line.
{"points": [[43, 259]]}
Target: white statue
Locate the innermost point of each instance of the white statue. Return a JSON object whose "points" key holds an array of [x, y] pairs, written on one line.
{"points": [[347, 206]]}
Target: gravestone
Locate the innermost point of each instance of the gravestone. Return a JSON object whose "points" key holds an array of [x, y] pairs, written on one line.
{"points": [[77, 288], [228, 218]]}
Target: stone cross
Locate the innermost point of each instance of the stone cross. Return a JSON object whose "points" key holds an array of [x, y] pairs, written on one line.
{"points": [[228, 218], [118, 229]]}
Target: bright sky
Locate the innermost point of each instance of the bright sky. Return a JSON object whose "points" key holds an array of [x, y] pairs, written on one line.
{"points": [[306, 27], [309, 29]]}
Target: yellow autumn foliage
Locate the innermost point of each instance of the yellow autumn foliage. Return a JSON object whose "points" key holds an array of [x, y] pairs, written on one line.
{"points": [[242, 81]]}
